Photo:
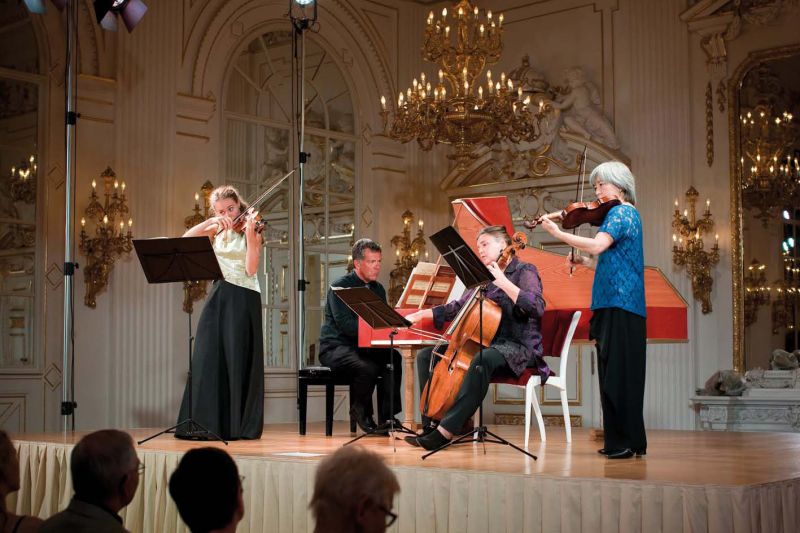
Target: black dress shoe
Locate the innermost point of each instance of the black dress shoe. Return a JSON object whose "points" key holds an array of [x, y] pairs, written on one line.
{"points": [[641, 452], [603, 451], [433, 440], [620, 454], [366, 423]]}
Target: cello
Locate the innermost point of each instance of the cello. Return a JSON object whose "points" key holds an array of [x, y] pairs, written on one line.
{"points": [[469, 333]]}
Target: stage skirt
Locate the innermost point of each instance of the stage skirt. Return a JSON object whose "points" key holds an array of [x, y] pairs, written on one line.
{"points": [[228, 365]]}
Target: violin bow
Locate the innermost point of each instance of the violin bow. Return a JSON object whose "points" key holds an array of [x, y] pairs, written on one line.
{"points": [[579, 187], [258, 200]]}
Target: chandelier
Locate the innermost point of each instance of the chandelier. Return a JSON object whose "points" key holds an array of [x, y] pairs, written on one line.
{"points": [[110, 240], [196, 290], [770, 172], [23, 181], [460, 109]]}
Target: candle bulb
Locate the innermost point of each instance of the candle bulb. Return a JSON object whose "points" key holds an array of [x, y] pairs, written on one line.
{"points": [[447, 32], [674, 238], [500, 20], [105, 219], [383, 102], [116, 184], [708, 205], [420, 224], [480, 93], [94, 184], [83, 222], [685, 213], [121, 227], [441, 76], [130, 224], [676, 204], [444, 13]]}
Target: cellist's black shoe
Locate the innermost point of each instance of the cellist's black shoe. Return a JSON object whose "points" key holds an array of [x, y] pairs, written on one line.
{"points": [[433, 440], [412, 440], [603, 451]]}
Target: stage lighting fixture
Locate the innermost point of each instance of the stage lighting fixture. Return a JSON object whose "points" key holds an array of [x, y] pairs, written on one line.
{"points": [[39, 6], [131, 12], [303, 10]]}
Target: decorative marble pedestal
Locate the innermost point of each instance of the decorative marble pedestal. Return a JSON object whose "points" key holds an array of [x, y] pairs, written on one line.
{"points": [[748, 413]]}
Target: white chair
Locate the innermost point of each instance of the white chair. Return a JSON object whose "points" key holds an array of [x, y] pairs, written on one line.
{"points": [[558, 381]]}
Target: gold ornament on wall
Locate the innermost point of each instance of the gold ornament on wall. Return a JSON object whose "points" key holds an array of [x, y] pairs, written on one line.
{"points": [[111, 239], [408, 251], [688, 248], [457, 109], [196, 290]]}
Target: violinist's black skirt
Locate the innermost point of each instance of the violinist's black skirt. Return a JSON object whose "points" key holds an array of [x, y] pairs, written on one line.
{"points": [[227, 367]]}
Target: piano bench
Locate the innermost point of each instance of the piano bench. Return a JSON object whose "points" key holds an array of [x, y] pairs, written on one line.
{"points": [[319, 375]]}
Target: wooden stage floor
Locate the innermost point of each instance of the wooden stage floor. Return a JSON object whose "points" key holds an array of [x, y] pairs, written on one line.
{"points": [[682, 457]]}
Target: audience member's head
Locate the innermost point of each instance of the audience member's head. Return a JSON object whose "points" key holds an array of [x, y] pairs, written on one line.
{"points": [[9, 466], [353, 491], [105, 469], [207, 490]]}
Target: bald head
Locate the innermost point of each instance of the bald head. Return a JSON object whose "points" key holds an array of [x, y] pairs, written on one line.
{"points": [[102, 466]]}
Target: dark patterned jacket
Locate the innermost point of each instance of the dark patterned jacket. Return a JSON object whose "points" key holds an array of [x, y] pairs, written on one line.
{"points": [[519, 336]]}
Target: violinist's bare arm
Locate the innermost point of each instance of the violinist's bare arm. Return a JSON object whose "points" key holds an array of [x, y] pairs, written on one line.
{"points": [[210, 227], [253, 245], [591, 245], [584, 260]]}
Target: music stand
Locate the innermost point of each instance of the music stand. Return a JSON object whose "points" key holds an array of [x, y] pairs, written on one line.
{"points": [[472, 273], [378, 315], [174, 260]]}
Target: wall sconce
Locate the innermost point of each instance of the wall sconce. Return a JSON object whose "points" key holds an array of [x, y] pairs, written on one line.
{"points": [[23, 181], [756, 291], [692, 254], [196, 290], [110, 239], [407, 253]]}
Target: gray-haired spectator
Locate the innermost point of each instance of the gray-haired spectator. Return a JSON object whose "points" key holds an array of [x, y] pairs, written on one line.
{"points": [[105, 475], [207, 490], [353, 492], [9, 482]]}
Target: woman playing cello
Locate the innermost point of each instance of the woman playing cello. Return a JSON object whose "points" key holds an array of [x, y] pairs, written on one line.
{"points": [[228, 381], [517, 290], [618, 323]]}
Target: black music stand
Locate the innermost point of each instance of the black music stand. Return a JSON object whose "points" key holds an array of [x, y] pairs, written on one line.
{"points": [[378, 315], [472, 273], [173, 260]]}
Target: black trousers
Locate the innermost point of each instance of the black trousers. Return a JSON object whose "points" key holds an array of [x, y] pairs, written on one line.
{"points": [[362, 367], [621, 342], [473, 388]]}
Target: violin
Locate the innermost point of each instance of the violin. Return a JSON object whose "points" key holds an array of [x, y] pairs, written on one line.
{"points": [[241, 219], [466, 340], [579, 213]]}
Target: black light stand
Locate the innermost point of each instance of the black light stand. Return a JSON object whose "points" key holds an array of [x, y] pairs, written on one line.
{"points": [[472, 273], [303, 15]]}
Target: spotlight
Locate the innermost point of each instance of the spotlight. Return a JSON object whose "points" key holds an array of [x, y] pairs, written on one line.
{"points": [[303, 10], [131, 12], [39, 6]]}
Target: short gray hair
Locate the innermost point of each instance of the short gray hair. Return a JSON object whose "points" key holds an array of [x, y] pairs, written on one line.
{"points": [[364, 244], [344, 477], [99, 463], [617, 174]]}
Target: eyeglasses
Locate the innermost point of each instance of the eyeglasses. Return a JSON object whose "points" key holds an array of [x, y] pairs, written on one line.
{"points": [[390, 516]]}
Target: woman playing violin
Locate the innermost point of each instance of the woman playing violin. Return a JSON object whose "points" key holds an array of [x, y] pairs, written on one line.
{"points": [[517, 290], [618, 324], [228, 359]]}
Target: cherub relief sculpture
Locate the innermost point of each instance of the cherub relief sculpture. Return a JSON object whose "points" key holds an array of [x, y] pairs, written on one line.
{"points": [[581, 109]]}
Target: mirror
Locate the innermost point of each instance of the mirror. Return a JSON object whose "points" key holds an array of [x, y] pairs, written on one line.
{"points": [[765, 198]]}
